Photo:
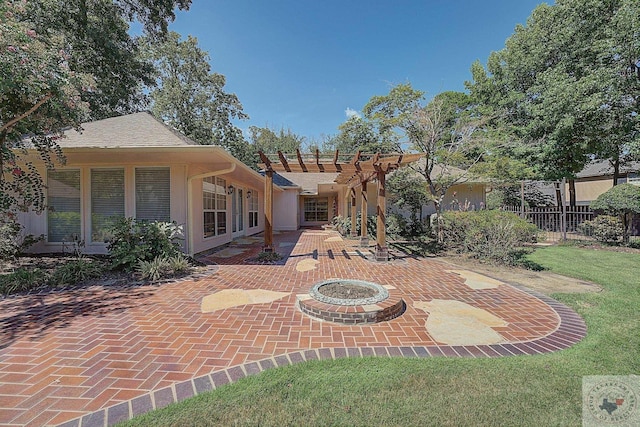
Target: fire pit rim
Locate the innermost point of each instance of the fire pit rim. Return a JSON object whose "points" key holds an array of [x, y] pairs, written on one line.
{"points": [[382, 294]]}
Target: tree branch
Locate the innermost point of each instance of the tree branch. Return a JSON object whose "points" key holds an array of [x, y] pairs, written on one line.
{"points": [[14, 121]]}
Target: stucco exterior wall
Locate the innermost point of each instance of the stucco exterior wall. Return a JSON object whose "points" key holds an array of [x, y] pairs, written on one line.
{"points": [[286, 210]]}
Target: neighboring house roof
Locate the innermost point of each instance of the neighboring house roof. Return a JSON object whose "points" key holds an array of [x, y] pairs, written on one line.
{"points": [[603, 168], [132, 130], [309, 181]]}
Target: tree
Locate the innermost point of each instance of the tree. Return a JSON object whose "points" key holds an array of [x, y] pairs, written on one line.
{"points": [[623, 201], [96, 34], [566, 84], [64, 63], [268, 141], [360, 134], [188, 96], [40, 96], [443, 129]]}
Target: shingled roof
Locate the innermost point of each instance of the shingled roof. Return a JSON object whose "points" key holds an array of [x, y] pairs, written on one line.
{"points": [[132, 130]]}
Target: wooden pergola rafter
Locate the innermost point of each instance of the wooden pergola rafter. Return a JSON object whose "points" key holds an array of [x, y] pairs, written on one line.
{"points": [[357, 170]]}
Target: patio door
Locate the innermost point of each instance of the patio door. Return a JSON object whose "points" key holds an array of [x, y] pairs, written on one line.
{"points": [[237, 213]]}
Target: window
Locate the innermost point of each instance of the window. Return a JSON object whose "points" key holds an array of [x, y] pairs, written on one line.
{"points": [[153, 190], [63, 200], [214, 206], [107, 201], [316, 209], [253, 208]]}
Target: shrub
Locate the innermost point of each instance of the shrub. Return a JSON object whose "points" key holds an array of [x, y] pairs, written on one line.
{"points": [[12, 241], [622, 200], [491, 235], [75, 271], [604, 228], [9, 232], [22, 280], [134, 241], [162, 267], [396, 226]]}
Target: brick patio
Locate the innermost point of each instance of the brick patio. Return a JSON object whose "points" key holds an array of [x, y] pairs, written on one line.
{"points": [[96, 356]]}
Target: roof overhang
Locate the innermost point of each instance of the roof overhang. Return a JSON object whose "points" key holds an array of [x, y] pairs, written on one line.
{"points": [[207, 157]]}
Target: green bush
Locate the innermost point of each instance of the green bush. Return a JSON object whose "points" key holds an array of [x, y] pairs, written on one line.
{"points": [[12, 241], [492, 235], [22, 280], [162, 267], [396, 226], [622, 200], [75, 271], [9, 232], [134, 241], [604, 228]]}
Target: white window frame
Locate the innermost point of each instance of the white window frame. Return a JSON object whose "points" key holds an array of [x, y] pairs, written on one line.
{"points": [[214, 203]]}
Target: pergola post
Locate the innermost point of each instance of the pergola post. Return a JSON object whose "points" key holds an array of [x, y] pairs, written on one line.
{"points": [[354, 232], [364, 236], [382, 251], [268, 211]]}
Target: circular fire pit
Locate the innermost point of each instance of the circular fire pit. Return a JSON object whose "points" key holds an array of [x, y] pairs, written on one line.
{"points": [[351, 302]]}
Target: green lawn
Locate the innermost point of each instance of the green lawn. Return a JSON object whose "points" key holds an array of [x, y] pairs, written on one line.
{"points": [[540, 390]]}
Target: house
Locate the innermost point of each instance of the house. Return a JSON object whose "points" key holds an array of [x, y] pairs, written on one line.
{"points": [[136, 166], [597, 177], [314, 198]]}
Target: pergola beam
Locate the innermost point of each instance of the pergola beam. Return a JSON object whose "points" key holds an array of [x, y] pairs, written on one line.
{"points": [[360, 170]]}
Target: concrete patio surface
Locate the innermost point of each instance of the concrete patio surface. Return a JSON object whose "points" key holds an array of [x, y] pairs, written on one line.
{"points": [[98, 355]]}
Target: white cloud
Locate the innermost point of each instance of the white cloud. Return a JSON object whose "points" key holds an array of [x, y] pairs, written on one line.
{"points": [[350, 112]]}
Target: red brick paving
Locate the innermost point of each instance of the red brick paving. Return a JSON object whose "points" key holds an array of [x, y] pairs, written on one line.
{"points": [[98, 355]]}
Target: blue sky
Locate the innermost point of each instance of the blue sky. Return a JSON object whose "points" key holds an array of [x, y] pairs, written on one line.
{"points": [[302, 64]]}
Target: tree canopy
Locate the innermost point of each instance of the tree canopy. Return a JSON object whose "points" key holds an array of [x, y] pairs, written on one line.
{"points": [[621, 200], [444, 129], [188, 96], [567, 85], [64, 63]]}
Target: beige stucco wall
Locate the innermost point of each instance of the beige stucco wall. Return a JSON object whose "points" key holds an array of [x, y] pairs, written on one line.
{"points": [[460, 196], [286, 210], [589, 190]]}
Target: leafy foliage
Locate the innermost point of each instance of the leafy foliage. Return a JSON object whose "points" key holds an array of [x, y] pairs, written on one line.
{"points": [[142, 241], [189, 97], [444, 129], [491, 235], [566, 86], [622, 200], [40, 96], [360, 134], [22, 280], [162, 267], [75, 271], [604, 228], [63, 63], [12, 241]]}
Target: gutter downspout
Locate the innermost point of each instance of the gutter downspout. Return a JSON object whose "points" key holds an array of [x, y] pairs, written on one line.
{"points": [[190, 200]]}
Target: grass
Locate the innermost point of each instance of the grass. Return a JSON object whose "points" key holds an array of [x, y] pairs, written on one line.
{"points": [[524, 390]]}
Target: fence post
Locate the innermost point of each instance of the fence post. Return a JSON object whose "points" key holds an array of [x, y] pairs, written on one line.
{"points": [[563, 210], [522, 199]]}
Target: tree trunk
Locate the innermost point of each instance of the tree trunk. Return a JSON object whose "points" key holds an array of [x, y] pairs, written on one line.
{"points": [[572, 192], [616, 171]]}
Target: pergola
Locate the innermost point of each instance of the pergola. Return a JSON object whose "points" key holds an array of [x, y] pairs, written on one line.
{"points": [[355, 172]]}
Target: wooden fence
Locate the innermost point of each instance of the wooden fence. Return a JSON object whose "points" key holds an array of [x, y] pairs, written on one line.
{"points": [[551, 221]]}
